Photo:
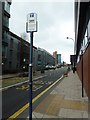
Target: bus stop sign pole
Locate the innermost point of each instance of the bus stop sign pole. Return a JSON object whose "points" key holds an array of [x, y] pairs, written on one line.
{"points": [[31, 26], [30, 74]]}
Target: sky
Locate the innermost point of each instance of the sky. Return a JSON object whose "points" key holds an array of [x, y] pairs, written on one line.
{"points": [[55, 23]]}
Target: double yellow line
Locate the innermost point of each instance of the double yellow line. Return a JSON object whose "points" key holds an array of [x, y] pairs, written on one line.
{"points": [[15, 115]]}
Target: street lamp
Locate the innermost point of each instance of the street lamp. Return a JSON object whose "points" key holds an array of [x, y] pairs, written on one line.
{"points": [[70, 38], [73, 42], [74, 53]]}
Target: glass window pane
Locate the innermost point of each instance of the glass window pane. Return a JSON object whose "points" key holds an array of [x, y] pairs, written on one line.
{"points": [[7, 7], [88, 32]]}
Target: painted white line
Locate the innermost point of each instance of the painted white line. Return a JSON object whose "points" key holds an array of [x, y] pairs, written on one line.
{"points": [[37, 88], [20, 83], [14, 85], [39, 77]]}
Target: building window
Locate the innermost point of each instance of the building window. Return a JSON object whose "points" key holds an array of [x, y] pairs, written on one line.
{"points": [[10, 64], [4, 51], [5, 35], [78, 59], [11, 43], [39, 57], [7, 7], [18, 56], [86, 38], [84, 44], [11, 54], [17, 66], [88, 31], [24, 60], [18, 46], [6, 21]]}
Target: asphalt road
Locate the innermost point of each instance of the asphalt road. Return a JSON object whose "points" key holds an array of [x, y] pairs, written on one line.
{"points": [[16, 97]]}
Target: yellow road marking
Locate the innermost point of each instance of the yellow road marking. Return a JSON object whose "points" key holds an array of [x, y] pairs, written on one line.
{"points": [[15, 115], [38, 96], [19, 112], [22, 87]]}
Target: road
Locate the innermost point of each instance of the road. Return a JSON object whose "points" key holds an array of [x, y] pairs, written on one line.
{"points": [[16, 97]]}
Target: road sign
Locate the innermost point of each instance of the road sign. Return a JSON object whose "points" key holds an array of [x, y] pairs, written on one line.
{"points": [[31, 25]]}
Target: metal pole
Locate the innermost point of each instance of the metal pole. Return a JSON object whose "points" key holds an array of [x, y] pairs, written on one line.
{"points": [[74, 60], [82, 73], [30, 74]]}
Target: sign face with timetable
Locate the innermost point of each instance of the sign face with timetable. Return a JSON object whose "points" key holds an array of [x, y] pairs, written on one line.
{"points": [[31, 24]]}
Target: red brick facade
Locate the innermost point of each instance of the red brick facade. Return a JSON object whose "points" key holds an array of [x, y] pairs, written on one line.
{"points": [[85, 73], [89, 72]]}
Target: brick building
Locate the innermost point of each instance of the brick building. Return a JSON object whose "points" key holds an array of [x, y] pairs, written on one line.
{"points": [[82, 43]]}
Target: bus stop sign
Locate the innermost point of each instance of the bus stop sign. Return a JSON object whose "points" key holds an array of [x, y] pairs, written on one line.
{"points": [[31, 24]]}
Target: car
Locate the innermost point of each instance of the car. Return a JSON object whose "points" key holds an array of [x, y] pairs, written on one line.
{"points": [[47, 67]]}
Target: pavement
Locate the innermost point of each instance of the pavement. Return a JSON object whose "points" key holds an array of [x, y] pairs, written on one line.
{"points": [[64, 101]]}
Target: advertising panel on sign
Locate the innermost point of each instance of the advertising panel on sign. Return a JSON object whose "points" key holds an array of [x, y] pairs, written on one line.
{"points": [[31, 24]]}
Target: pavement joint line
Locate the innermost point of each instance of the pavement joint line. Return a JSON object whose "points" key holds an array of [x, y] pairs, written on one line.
{"points": [[16, 114], [20, 83]]}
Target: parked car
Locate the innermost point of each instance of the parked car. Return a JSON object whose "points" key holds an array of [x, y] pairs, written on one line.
{"points": [[48, 67]]}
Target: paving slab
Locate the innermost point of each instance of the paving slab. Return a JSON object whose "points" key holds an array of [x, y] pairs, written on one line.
{"points": [[65, 101]]}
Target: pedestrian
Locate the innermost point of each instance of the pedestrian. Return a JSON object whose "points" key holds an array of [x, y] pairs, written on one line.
{"points": [[68, 68], [74, 69]]}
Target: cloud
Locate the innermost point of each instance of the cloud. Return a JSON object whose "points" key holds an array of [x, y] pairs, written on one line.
{"points": [[44, 1], [55, 23]]}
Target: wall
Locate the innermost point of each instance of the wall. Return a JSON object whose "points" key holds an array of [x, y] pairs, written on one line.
{"points": [[85, 73], [85, 69], [79, 68], [89, 72]]}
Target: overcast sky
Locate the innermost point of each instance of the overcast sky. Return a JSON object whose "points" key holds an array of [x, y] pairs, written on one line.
{"points": [[55, 23]]}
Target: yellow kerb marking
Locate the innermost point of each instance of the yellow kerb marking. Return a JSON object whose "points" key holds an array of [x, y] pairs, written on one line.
{"points": [[15, 115]]}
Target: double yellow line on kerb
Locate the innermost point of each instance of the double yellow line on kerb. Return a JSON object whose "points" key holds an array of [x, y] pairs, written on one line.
{"points": [[16, 114]]}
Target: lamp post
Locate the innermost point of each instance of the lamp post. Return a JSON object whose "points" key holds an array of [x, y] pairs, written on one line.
{"points": [[74, 63], [74, 53], [70, 38]]}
